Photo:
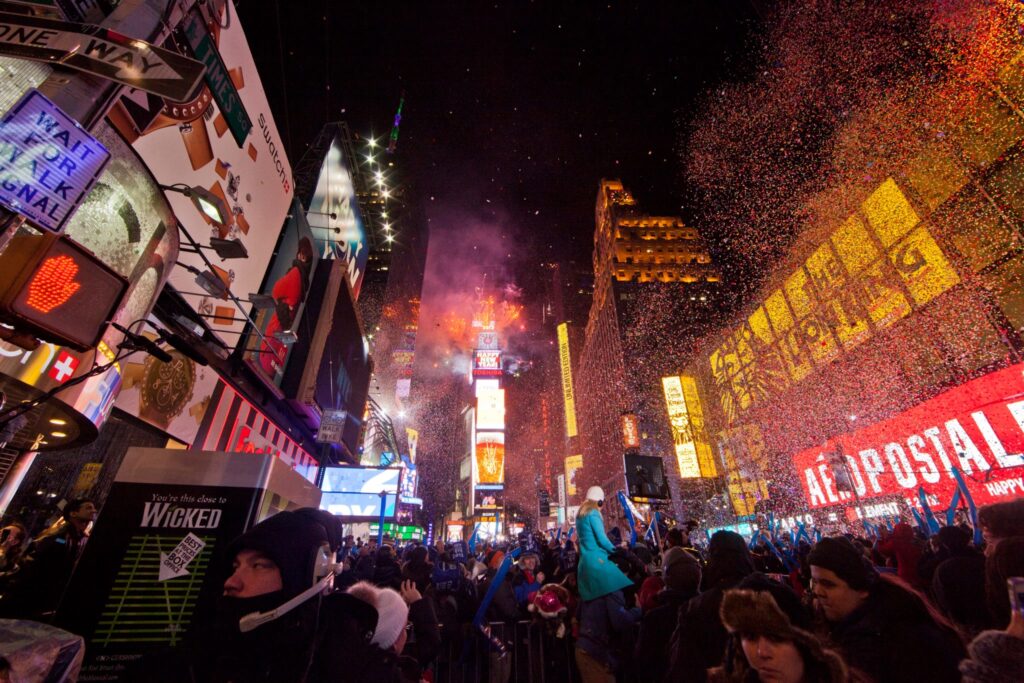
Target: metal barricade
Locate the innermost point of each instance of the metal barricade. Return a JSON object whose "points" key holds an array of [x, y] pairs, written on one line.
{"points": [[533, 655]]}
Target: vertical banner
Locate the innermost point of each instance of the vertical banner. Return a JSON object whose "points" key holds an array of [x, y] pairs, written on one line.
{"points": [[567, 390]]}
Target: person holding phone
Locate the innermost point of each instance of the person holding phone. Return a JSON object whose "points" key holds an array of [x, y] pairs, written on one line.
{"points": [[999, 655]]}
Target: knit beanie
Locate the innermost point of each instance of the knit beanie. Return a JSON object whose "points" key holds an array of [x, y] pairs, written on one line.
{"points": [[680, 570], [292, 539], [839, 556], [392, 612]]}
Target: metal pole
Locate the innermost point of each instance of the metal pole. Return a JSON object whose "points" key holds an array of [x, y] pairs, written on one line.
{"points": [[383, 508]]}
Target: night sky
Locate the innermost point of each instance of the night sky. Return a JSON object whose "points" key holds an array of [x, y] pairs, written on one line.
{"points": [[513, 111]]}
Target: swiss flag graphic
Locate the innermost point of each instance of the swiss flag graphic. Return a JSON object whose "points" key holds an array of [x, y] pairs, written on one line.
{"points": [[64, 368]]}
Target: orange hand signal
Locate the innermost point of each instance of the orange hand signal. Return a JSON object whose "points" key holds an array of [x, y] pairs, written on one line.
{"points": [[53, 284]]}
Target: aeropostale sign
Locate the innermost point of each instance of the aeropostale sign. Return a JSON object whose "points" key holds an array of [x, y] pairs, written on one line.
{"points": [[977, 426]]}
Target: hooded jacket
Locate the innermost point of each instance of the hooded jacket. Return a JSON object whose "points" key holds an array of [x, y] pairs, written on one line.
{"points": [[699, 640]]}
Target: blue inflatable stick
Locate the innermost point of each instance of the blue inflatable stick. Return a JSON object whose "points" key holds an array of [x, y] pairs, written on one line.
{"points": [[951, 510], [971, 507], [933, 524]]}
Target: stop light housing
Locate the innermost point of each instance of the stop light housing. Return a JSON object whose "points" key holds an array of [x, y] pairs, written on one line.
{"points": [[57, 290]]}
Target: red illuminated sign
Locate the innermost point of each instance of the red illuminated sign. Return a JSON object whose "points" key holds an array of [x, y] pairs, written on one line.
{"points": [[978, 427], [57, 290], [486, 363], [64, 367]]}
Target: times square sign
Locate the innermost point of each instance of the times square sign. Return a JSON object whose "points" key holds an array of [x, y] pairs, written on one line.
{"points": [[977, 427]]}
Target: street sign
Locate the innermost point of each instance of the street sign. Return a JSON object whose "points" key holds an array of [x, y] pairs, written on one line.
{"points": [[332, 426], [219, 80], [48, 162], [96, 50]]}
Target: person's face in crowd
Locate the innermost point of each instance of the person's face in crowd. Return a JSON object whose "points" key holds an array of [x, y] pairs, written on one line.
{"points": [[254, 574], [13, 537], [990, 541], [776, 661], [835, 597], [530, 562], [83, 515]]}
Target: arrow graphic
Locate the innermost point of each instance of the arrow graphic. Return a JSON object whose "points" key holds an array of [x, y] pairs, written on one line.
{"points": [[176, 562]]}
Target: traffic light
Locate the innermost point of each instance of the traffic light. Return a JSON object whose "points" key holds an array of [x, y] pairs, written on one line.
{"points": [[544, 507], [57, 290]]}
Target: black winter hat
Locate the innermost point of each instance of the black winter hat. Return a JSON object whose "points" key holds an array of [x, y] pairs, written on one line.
{"points": [[292, 539], [841, 557]]}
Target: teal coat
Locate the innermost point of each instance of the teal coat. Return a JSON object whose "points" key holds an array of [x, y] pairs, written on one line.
{"points": [[596, 575]]}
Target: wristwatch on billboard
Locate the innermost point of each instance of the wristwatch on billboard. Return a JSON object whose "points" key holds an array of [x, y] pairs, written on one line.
{"points": [[166, 389]]}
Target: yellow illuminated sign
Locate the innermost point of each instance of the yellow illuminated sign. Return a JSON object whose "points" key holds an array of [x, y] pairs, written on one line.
{"points": [[705, 456], [567, 392], [572, 464], [490, 409], [873, 270], [679, 419]]}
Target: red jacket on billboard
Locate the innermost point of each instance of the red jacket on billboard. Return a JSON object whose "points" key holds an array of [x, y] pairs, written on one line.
{"points": [[977, 426], [289, 291]]}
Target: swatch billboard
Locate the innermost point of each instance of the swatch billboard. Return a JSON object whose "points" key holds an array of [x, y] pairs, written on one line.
{"points": [[205, 142], [977, 427]]}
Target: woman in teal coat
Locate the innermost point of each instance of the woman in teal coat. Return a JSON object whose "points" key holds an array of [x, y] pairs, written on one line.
{"points": [[596, 574]]}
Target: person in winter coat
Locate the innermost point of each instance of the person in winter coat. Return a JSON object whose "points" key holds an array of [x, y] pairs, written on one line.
{"points": [[603, 615], [769, 645], [387, 573], [996, 655], [596, 574], [902, 547], [958, 582], [699, 639], [1004, 562], [681, 573], [35, 591], [877, 622]]}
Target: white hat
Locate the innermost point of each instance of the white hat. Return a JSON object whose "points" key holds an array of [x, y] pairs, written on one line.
{"points": [[392, 612], [595, 493]]}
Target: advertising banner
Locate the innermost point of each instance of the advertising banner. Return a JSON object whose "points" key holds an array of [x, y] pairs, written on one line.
{"points": [[192, 143], [335, 218], [630, 431], [573, 464], [679, 420], [486, 363], [568, 396], [490, 458], [977, 426], [490, 409], [287, 283]]}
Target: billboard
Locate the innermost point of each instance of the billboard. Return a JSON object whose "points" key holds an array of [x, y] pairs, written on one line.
{"points": [[486, 363], [193, 143], [287, 283], [573, 464], [485, 498], [630, 431], [645, 477], [334, 215], [977, 426], [679, 419], [490, 409], [490, 458], [876, 268], [354, 492], [567, 391]]}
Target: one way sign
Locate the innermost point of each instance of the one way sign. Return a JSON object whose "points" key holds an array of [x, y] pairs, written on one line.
{"points": [[99, 51]]}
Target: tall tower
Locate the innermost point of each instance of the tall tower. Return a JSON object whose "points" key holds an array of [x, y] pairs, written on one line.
{"points": [[654, 289]]}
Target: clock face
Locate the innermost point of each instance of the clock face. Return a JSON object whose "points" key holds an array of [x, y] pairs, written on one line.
{"points": [[167, 387]]}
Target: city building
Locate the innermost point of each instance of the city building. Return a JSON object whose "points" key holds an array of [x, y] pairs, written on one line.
{"points": [[654, 290]]}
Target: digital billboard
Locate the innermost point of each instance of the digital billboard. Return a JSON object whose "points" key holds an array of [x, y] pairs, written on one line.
{"points": [[630, 431], [193, 143], [977, 427], [645, 477], [876, 268], [573, 464], [334, 215], [490, 458], [490, 409], [354, 492], [287, 283], [679, 420], [486, 363], [486, 498], [568, 396]]}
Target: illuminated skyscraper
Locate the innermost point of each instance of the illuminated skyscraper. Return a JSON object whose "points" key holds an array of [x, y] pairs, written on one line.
{"points": [[654, 290]]}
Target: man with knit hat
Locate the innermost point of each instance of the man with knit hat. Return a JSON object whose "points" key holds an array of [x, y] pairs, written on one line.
{"points": [[277, 620], [880, 625]]}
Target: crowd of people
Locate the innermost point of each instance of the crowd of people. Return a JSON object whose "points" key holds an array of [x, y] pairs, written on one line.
{"points": [[303, 602]]}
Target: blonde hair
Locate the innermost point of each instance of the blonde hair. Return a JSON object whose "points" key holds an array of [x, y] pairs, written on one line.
{"points": [[587, 506]]}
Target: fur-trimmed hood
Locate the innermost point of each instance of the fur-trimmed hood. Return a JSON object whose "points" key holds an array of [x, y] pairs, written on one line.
{"points": [[757, 613]]}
